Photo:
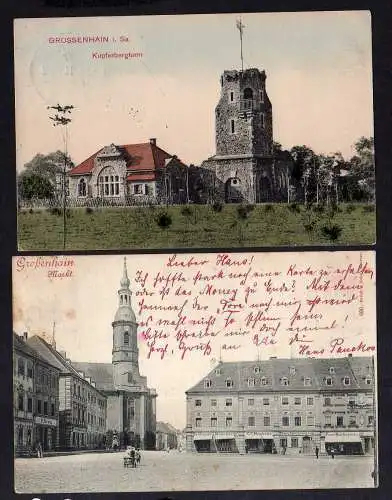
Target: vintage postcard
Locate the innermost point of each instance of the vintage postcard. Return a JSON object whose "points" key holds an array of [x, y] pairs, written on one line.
{"points": [[195, 372], [194, 131]]}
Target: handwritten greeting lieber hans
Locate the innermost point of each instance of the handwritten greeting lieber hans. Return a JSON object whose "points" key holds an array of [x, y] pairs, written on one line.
{"points": [[212, 303]]}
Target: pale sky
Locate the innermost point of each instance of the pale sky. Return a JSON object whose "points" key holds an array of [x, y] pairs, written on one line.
{"points": [[319, 79], [83, 307]]}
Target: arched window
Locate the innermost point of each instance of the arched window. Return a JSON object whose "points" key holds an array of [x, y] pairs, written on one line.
{"points": [[126, 338], [248, 93], [82, 188], [108, 183]]}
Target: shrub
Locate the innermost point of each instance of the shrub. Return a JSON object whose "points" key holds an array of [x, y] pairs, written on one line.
{"points": [[186, 211], [318, 208], [332, 231], [55, 211], [164, 220], [31, 211], [309, 226], [244, 211], [350, 208], [89, 210], [368, 208], [293, 207], [217, 206], [269, 207]]}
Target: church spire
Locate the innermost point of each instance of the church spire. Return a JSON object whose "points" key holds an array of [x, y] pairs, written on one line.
{"points": [[125, 280]]}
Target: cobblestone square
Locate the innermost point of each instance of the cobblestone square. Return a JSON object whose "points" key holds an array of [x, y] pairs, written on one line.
{"points": [[174, 471]]}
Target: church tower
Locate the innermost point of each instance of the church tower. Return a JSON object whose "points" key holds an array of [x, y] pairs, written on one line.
{"points": [[125, 354]]}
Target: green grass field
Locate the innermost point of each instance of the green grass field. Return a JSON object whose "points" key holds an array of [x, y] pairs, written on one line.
{"points": [[201, 227]]}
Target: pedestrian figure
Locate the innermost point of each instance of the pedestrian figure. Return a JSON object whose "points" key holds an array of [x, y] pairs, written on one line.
{"points": [[332, 452], [138, 456], [39, 450], [133, 457], [317, 452]]}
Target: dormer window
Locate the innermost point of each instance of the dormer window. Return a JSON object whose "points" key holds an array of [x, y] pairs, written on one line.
{"points": [[229, 382], [263, 381], [292, 370], [218, 371], [346, 381], [368, 380], [284, 381], [251, 382], [256, 369], [207, 383], [328, 381], [307, 381], [331, 370]]}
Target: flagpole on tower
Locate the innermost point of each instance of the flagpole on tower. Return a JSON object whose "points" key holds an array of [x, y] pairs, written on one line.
{"points": [[241, 27]]}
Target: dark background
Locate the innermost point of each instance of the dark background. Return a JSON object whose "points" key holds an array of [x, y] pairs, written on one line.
{"points": [[382, 89]]}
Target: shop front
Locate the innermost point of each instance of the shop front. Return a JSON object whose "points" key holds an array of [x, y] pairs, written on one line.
{"points": [[258, 443], [46, 432], [225, 443], [344, 444], [203, 443]]}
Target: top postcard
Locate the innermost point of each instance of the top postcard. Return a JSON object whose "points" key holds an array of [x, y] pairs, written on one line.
{"points": [[194, 131]]}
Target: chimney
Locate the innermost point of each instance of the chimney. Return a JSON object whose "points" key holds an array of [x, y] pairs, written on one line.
{"points": [[153, 141], [63, 354], [25, 336], [350, 355]]}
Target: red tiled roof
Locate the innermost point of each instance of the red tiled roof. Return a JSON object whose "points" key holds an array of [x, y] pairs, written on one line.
{"points": [[145, 156]]}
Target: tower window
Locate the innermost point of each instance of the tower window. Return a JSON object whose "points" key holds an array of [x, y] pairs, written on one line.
{"points": [[231, 96], [261, 95], [262, 119], [126, 338], [232, 126], [248, 93]]}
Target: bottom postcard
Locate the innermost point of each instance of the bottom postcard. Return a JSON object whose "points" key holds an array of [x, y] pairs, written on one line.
{"points": [[195, 372]]}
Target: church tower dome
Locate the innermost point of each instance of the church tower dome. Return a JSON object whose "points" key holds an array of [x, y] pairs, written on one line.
{"points": [[125, 354]]}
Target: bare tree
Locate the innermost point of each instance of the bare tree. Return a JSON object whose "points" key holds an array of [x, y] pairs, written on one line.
{"points": [[62, 118]]}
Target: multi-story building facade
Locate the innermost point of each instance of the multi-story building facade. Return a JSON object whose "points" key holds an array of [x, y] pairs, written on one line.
{"points": [[82, 408], [284, 406], [36, 399], [166, 437]]}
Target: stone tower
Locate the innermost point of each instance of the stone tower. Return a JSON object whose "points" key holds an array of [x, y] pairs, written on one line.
{"points": [[243, 116], [242, 170], [125, 354]]}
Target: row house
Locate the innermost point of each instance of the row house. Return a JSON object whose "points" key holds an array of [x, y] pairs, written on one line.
{"points": [[288, 406], [82, 408], [36, 399]]}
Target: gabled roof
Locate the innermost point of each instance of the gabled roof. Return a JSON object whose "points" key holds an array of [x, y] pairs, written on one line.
{"points": [[26, 349], [295, 370], [140, 158], [100, 373], [51, 355], [165, 428]]}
